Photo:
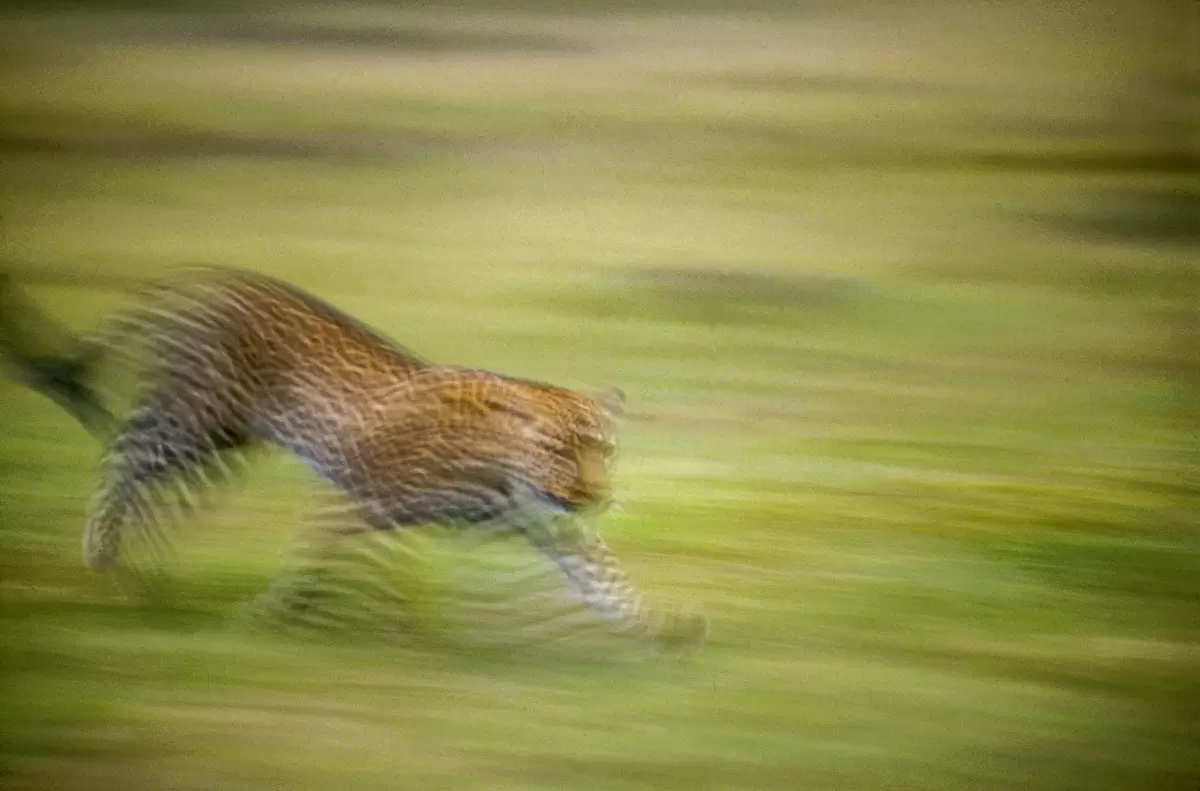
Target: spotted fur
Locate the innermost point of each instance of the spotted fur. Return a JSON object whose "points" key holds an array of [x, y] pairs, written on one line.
{"points": [[228, 360]]}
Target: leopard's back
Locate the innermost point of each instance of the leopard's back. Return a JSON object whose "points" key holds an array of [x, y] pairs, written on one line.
{"points": [[238, 323], [461, 444]]}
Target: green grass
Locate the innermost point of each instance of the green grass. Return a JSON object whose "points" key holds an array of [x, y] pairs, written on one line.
{"points": [[906, 333]]}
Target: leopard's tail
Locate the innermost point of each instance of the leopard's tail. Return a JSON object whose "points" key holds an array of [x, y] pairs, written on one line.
{"points": [[45, 357]]}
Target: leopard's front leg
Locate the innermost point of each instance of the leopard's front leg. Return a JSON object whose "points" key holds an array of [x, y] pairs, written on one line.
{"points": [[597, 578]]}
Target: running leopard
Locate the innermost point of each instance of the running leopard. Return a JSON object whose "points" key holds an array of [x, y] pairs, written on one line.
{"points": [[228, 360]]}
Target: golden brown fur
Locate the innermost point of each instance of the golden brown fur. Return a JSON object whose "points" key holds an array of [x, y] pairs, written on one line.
{"points": [[226, 360]]}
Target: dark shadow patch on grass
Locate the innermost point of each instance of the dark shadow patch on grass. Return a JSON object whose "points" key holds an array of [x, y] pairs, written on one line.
{"points": [[742, 150], [1131, 160], [1095, 278], [160, 142], [92, 6], [713, 295], [1136, 217], [833, 84], [822, 152], [1170, 215], [261, 31]]}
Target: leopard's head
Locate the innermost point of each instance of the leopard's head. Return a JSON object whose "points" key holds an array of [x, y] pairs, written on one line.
{"points": [[578, 438], [559, 442]]}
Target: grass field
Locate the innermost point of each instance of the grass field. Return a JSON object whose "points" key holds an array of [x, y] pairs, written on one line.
{"points": [[902, 299]]}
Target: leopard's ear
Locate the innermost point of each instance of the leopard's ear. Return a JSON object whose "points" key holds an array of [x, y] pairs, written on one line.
{"points": [[611, 401]]}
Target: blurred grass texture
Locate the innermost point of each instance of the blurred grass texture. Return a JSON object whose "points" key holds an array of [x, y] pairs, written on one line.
{"points": [[904, 300]]}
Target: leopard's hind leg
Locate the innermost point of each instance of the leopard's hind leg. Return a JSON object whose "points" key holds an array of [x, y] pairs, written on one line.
{"points": [[349, 570], [160, 465]]}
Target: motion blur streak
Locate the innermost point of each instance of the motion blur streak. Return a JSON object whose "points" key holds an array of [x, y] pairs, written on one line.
{"points": [[903, 296]]}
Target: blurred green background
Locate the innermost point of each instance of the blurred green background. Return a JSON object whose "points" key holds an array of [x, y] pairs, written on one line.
{"points": [[903, 298]]}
